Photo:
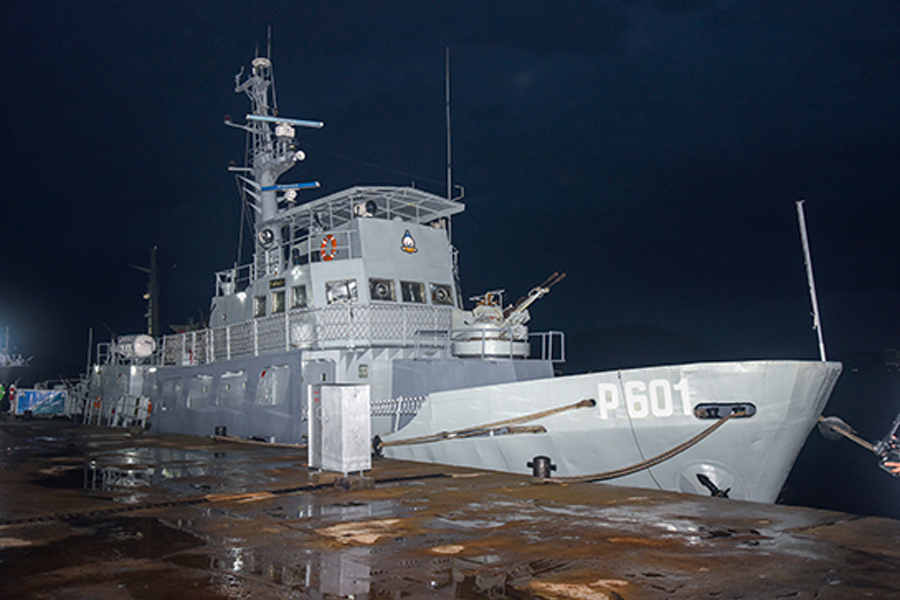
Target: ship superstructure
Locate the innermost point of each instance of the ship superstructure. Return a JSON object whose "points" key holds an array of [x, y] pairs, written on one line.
{"points": [[359, 286]]}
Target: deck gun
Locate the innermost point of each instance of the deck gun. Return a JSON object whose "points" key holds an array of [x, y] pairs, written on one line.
{"points": [[510, 312], [887, 449]]}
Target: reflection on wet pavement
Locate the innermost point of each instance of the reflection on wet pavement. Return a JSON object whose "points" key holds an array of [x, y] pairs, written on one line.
{"points": [[90, 513]]}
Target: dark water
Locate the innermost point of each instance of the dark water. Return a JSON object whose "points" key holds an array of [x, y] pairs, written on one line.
{"points": [[841, 475]]}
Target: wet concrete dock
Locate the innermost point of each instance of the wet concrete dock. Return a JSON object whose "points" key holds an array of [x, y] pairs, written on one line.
{"points": [[119, 514]]}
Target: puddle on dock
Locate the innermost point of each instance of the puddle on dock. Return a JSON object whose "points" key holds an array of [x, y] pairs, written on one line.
{"points": [[120, 552], [115, 464], [152, 559]]}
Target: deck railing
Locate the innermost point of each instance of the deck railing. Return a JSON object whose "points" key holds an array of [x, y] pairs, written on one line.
{"points": [[335, 326], [424, 329]]}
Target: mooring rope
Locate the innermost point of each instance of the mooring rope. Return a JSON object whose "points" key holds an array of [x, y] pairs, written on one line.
{"points": [[645, 464], [845, 430], [487, 427]]}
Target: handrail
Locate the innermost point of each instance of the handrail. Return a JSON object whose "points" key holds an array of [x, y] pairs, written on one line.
{"points": [[333, 326], [423, 328]]}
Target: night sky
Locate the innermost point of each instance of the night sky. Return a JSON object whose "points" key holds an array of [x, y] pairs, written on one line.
{"points": [[651, 149]]}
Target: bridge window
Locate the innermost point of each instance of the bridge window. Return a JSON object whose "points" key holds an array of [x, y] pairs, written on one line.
{"points": [[298, 296], [382, 289], [278, 301], [259, 306], [441, 294], [341, 291], [413, 291]]}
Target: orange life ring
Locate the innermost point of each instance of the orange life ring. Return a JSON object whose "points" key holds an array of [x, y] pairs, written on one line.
{"points": [[326, 251]]}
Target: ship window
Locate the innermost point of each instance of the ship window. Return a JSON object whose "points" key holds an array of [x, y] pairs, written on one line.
{"points": [[278, 301], [441, 294], [199, 391], [340, 291], [273, 386], [259, 306], [298, 296], [382, 289], [232, 386], [413, 291]]}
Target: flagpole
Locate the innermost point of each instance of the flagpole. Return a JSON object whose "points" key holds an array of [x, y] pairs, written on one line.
{"points": [[807, 258]]}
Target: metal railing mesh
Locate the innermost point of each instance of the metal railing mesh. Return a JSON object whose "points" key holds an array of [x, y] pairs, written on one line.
{"points": [[425, 328], [390, 407], [334, 326]]}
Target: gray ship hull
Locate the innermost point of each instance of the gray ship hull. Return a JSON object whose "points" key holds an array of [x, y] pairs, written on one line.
{"points": [[267, 396], [639, 413], [500, 415]]}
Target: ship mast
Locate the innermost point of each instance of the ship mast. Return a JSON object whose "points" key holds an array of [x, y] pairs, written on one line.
{"points": [[271, 151], [447, 110], [152, 294]]}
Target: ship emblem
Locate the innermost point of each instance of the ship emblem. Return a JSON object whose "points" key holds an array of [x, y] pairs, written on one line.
{"points": [[408, 244]]}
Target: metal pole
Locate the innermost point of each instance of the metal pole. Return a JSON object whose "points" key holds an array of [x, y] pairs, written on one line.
{"points": [[447, 105], [807, 259], [154, 295], [89, 350]]}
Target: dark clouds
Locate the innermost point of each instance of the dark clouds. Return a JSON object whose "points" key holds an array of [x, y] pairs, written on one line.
{"points": [[651, 149]]}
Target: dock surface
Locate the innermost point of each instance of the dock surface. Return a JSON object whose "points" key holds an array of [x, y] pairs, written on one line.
{"points": [[121, 514]]}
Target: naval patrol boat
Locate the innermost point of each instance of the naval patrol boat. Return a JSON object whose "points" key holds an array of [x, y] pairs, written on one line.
{"points": [[361, 287]]}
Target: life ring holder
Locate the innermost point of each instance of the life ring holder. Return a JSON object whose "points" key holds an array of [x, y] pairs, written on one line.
{"points": [[328, 248]]}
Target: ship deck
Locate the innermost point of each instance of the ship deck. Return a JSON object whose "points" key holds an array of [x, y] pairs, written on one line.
{"points": [[103, 513]]}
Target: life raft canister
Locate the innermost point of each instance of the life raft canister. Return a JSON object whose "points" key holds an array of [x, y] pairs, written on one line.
{"points": [[328, 247]]}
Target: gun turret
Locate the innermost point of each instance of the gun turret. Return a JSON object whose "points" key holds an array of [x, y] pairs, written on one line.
{"points": [[534, 295]]}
